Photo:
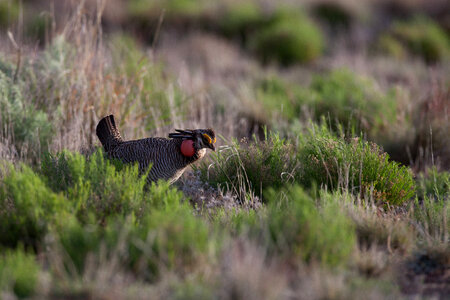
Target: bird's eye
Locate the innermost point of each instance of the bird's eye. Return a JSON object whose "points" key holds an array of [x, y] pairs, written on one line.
{"points": [[207, 138]]}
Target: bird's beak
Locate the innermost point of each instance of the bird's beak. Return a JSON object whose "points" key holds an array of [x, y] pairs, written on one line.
{"points": [[212, 147]]}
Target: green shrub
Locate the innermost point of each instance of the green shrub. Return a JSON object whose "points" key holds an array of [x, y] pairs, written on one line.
{"points": [[250, 168], [290, 38], [96, 185], [297, 226], [432, 215], [352, 101], [18, 272], [422, 37], [167, 237], [28, 208], [433, 182], [356, 165]]}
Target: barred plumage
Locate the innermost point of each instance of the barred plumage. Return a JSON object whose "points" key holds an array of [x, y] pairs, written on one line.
{"points": [[165, 155]]}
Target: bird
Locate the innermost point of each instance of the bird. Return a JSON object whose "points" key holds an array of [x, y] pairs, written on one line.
{"points": [[167, 158]]}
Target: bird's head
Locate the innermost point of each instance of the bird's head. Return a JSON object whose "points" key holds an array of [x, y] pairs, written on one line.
{"points": [[202, 138]]}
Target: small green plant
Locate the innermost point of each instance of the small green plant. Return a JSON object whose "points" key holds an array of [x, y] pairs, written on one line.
{"points": [[28, 208], [288, 39], [355, 165], [434, 183], [297, 226], [18, 272], [97, 185], [432, 215], [420, 36]]}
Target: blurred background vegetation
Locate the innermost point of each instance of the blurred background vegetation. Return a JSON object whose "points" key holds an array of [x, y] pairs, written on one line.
{"points": [[331, 179]]}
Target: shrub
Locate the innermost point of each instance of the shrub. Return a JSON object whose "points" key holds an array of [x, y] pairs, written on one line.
{"points": [[167, 237], [290, 38], [422, 37], [432, 215], [18, 272], [97, 185], [352, 101], [296, 226], [356, 165], [432, 182], [28, 208]]}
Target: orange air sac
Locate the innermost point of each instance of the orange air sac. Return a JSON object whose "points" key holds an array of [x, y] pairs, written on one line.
{"points": [[187, 148]]}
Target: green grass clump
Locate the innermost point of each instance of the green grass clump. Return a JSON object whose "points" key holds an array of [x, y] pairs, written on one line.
{"points": [[434, 183], [167, 237], [352, 101], [18, 272], [28, 208], [251, 167], [419, 36], [432, 215], [296, 224], [355, 165], [292, 226], [288, 39]]}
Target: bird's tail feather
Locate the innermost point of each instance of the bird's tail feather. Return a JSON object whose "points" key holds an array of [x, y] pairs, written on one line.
{"points": [[108, 134]]}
